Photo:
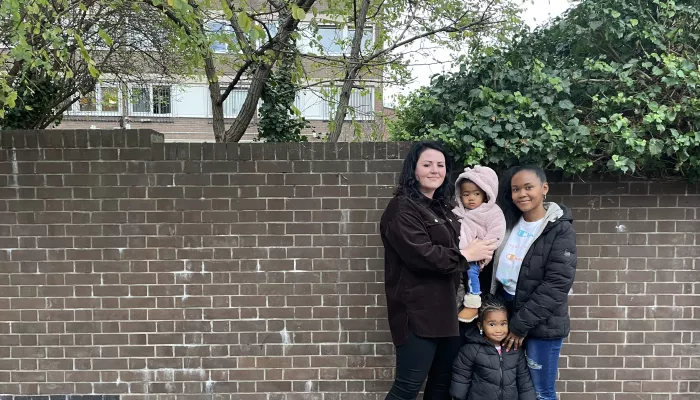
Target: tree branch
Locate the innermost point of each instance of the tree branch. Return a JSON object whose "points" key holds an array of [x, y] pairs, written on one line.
{"points": [[276, 4], [240, 35], [430, 33], [52, 118], [235, 81], [171, 15]]}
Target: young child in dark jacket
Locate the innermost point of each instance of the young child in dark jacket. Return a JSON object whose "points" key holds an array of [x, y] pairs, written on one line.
{"points": [[482, 371]]}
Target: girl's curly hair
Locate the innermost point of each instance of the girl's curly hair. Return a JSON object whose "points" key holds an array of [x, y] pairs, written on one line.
{"points": [[491, 303]]}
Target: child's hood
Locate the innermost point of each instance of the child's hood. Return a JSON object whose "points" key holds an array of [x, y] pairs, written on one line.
{"points": [[485, 178]]}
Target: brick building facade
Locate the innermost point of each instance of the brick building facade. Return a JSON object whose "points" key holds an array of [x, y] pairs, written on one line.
{"points": [[137, 269]]}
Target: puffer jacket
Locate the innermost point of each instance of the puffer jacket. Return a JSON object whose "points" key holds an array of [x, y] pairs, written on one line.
{"points": [[541, 307], [480, 373]]}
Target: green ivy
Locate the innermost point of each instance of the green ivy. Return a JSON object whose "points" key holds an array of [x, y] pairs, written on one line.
{"points": [[612, 85], [279, 120]]}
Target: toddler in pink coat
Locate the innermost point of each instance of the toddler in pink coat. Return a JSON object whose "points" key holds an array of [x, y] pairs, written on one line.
{"points": [[481, 218]]}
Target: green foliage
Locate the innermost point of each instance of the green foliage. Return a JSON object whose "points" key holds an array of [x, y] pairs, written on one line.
{"points": [[36, 102], [279, 120], [34, 41], [55, 50], [612, 85]]}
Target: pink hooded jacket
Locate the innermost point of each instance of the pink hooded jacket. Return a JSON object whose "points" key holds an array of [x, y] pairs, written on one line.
{"points": [[486, 221]]}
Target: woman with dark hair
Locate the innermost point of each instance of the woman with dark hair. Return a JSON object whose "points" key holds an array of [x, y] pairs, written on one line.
{"points": [[423, 266], [534, 270]]}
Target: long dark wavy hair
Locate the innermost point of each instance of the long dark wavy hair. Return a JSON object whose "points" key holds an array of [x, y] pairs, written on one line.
{"points": [[408, 185], [505, 197]]}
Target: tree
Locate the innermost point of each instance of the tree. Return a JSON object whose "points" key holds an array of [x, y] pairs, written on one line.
{"points": [[448, 24], [610, 86], [59, 49], [253, 49]]}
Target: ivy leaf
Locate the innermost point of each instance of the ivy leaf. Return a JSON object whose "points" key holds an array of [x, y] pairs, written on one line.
{"points": [[485, 112], [477, 93], [634, 22], [566, 104]]}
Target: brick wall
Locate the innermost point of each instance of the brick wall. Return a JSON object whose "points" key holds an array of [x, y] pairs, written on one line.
{"points": [[145, 270]]}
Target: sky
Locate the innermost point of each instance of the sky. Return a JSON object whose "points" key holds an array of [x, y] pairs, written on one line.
{"points": [[535, 13]]}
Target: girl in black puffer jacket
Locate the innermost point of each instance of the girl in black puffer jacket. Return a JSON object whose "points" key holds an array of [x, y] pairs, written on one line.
{"points": [[482, 371]]}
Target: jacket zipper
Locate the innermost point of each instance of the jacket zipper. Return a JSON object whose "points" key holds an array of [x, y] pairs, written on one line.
{"points": [[500, 368], [532, 245]]}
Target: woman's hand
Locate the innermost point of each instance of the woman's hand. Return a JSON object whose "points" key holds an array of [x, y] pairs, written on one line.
{"points": [[478, 250], [512, 340]]}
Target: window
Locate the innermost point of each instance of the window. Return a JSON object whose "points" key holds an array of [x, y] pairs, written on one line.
{"points": [[317, 104], [140, 100], [367, 37], [219, 30], [234, 102], [88, 102], [104, 100], [161, 99], [224, 39], [332, 40], [109, 99], [361, 106], [312, 104], [151, 99]]}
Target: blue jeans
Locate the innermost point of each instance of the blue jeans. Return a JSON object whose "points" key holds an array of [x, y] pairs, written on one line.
{"points": [[543, 360], [474, 287]]}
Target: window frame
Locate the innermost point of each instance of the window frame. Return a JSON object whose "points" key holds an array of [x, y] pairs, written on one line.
{"points": [[75, 108], [304, 43], [151, 112], [328, 106]]}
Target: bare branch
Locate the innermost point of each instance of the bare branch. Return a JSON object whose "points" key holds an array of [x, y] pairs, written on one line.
{"points": [[44, 124], [481, 22], [235, 81]]}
